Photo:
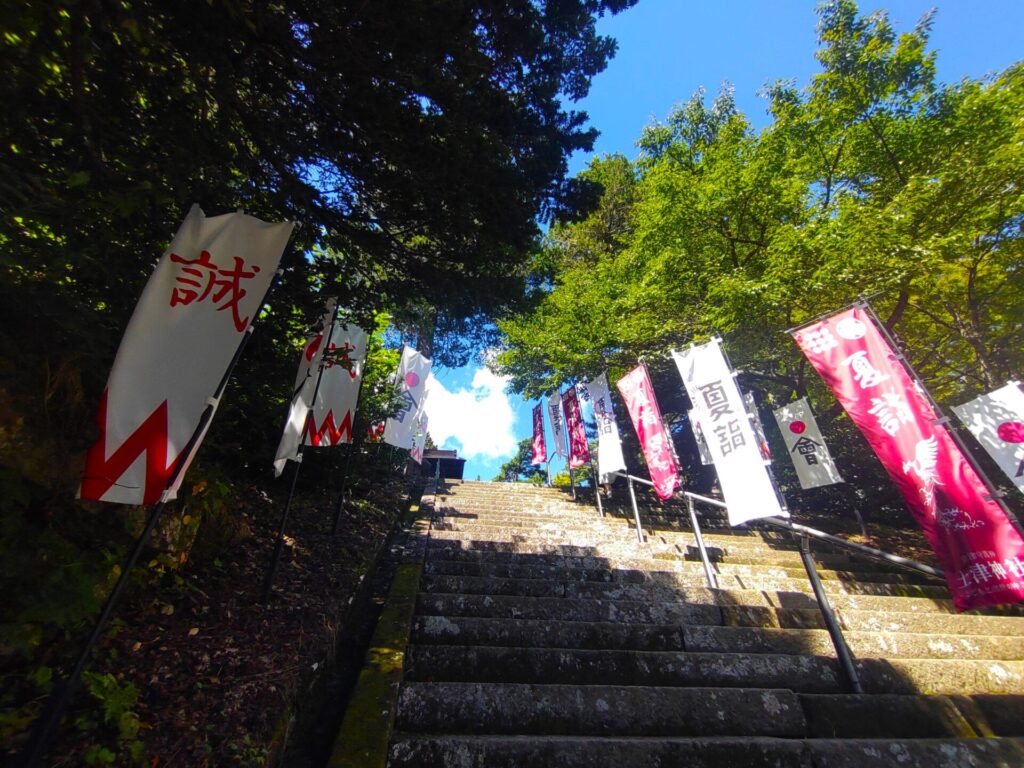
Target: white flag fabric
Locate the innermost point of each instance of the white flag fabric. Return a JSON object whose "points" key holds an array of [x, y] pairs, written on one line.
{"points": [[997, 421], [746, 485], [419, 438], [805, 445], [698, 435], [557, 423], [411, 381], [609, 444], [330, 422], [190, 320]]}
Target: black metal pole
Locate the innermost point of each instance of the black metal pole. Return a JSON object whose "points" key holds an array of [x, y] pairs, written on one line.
{"points": [[340, 503], [942, 418], [268, 579], [351, 449], [50, 717], [831, 624]]}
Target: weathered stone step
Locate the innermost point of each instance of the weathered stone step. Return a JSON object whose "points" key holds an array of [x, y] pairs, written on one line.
{"points": [[510, 751], [661, 591], [873, 716], [490, 664], [468, 630], [512, 708], [990, 714], [914, 753], [805, 673], [938, 624], [641, 562], [566, 572], [559, 608], [874, 644]]}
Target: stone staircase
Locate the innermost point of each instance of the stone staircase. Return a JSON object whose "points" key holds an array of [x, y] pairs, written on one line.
{"points": [[544, 634]]}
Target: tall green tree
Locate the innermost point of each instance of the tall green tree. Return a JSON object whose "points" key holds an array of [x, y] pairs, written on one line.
{"points": [[873, 179]]}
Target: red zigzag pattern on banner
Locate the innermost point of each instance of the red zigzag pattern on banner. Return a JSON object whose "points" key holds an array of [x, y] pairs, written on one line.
{"points": [[101, 474], [335, 434]]}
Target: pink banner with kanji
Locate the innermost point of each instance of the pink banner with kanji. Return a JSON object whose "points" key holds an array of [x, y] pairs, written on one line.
{"points": [[579, 452], [540, 450], [191, 317], [981, 552], [635, 388]]}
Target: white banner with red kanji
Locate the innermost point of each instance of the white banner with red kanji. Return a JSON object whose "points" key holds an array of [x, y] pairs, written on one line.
{"points": [[805, 445], [331, 416], [609, 444], [997, 421], [190, 320], [411, 380], [735, 450], [557, 423], [656, 442], [980, 551], [539, 451]]}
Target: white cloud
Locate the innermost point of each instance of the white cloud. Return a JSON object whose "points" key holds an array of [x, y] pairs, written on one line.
{"points": [[480, 418]]}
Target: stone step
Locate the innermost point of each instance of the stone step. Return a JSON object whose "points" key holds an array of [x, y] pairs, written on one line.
{"points": [[464, 630], [511, 708], [558, 608], [804, 673], [438, 550], [999, 715], [666, 590], [637, 575], [469, 630], [862, 644], [490, 664], [941, 625], [511, 751], [914, 753], [889, 716]]}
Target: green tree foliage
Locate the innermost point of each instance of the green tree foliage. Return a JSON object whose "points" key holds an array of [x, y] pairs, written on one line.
{"points": [[418, 143], [874, 179], [518, 469]]}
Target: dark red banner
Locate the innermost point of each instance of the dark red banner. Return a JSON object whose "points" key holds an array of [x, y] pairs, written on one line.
{"points": [[579, 452], [540, 450], [635, 388], [981, 552]]}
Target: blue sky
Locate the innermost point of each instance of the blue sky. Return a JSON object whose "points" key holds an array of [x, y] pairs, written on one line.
{"points": [[667, 50]]}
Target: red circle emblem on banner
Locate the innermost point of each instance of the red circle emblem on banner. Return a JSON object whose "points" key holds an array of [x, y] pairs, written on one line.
{"points": [[411, 379], [797, 427], [1011, 432]]}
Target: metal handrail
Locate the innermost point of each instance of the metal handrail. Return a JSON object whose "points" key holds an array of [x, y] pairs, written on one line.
{"points": [[852, 546], [804, 534]]}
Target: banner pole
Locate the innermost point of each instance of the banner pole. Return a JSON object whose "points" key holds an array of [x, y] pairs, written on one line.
{"points": [[940, 416], [268, 579], [351, 449], [49, 718]]}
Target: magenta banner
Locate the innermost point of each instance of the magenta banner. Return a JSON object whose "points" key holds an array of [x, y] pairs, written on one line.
{"points": [[540, 450], [981, 552], [579, 453], [635, 388]]}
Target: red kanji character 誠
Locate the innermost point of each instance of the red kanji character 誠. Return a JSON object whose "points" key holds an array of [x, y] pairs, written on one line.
{"points": [[201, 278]]}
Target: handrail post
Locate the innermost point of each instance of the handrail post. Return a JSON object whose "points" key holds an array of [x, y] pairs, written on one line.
{"points": [[636, 510], [709, 572], [834, 630]]}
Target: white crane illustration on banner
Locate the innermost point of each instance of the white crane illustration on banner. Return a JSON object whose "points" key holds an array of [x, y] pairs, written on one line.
{"points": [[926, 457]]}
